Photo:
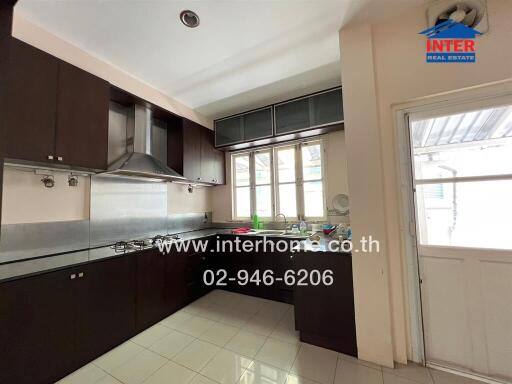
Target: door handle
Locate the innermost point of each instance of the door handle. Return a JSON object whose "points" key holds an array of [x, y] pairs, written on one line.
{"points": [[50, 157], [60, 158], [72, 276], [81, 274]]}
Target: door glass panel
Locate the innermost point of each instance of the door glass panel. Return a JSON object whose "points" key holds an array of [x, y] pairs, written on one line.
{"points": [[228, 131], [313, 199], [258, 124], [263, 201], [286, 164], [288, 200], [466, 214], [243, 202], [292, 116], [242, 175], [327, 107], [262, 167], [312, 162], [477, 143]]}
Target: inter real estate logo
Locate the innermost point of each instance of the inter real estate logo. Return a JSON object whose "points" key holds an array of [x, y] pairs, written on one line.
{"points": [[450, 42]]}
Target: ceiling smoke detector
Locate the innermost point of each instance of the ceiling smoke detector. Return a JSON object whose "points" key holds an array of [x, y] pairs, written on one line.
{"points": [[189, 18], [472, 13]]}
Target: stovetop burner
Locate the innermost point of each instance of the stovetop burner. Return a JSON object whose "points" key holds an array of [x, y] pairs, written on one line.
{"points": [[163, 238], [123, 246]]}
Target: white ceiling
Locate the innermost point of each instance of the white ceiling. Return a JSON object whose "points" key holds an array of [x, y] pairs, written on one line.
{"points": [[244, 53]]}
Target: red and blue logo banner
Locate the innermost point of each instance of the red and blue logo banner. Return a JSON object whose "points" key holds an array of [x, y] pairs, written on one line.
{"points": [[450, 42]]}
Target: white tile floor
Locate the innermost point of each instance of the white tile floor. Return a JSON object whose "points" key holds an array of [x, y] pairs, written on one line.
{"points": [[227, 338]]}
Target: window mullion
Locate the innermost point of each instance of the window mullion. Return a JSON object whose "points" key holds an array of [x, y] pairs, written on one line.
{"points": [[299, 187], [252, 183], [277, 204], [272, 186]]}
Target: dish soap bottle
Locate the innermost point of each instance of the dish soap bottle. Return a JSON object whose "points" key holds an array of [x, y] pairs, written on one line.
{"points": [[255, 222]]}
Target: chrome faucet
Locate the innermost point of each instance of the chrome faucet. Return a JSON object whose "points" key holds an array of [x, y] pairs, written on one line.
{"points": [[285, 221]]}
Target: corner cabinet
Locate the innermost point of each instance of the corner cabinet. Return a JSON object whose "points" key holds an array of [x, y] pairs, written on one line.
{"points": [[305, 116], [56, 113], [191, 151]]}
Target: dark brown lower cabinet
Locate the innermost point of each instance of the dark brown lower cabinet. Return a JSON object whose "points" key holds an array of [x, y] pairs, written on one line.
{"points": [[324, 314], [151, 288], [37, 328], [54, 323], [258, 260], [105, 306]]}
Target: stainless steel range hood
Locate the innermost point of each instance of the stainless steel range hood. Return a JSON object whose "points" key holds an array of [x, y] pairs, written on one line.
{"points": [[138, 144]]}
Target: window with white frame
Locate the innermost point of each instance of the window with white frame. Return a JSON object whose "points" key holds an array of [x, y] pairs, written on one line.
{"points": [[285, 179]]}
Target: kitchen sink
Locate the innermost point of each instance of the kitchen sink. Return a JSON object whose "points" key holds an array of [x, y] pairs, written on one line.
{"points": [[269, 232], [280, 232]]}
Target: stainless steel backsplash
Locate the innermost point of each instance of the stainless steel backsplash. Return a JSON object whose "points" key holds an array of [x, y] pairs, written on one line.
{"points": [[24, 241], [126, 208]]}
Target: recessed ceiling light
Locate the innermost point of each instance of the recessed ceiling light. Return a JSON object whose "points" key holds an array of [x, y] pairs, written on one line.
{"points": [[189, 18]]}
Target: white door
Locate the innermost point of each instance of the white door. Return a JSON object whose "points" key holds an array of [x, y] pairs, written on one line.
{"points": [[462, 176]]}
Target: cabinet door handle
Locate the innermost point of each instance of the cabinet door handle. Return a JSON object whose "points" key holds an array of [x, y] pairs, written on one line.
{"points": [[72, 276], [81, 274], [50, 157], [60, 158]]}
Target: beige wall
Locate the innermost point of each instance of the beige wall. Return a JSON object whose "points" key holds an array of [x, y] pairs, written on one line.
{"points": [[179, 200], [335, 173], [26, 200], [384, 64]]}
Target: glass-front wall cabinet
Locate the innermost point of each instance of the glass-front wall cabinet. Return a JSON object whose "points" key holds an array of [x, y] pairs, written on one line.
{"points": [[310, 112]]}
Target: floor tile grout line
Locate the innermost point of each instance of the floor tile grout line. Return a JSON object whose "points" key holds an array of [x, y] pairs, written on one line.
{"points": [[196, 338]]}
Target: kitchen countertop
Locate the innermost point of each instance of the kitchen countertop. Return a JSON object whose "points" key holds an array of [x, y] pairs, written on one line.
{"points": [[325, 244], [25, 268]]}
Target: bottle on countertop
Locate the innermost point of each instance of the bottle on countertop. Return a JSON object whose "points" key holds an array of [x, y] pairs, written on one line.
{"points": [[303, 227], [255, 222]]}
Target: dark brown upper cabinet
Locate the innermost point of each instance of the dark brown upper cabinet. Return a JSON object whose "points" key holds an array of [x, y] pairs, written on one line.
{"points": [[82, 118], [191, 151], [56, 113], [212, 160], [32, 98]]}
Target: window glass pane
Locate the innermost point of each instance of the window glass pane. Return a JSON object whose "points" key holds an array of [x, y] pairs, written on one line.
{"points": [[466, 144], [286, 164], [263, 201], [313, 199], [466, 214], [312, 162], [243, 202], [242, 176], [287, 200], [262, 167]]}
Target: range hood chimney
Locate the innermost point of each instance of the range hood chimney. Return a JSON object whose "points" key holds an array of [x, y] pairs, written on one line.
{"points": [[145, 147]]}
